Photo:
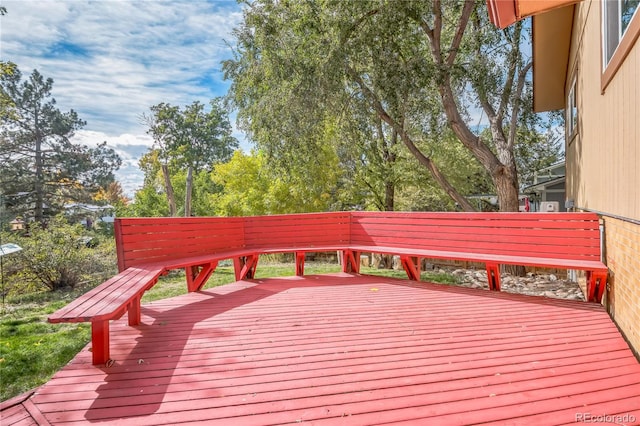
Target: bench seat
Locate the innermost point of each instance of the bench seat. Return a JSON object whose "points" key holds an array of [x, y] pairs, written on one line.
{"points": [[109, 301], [544, 262]]}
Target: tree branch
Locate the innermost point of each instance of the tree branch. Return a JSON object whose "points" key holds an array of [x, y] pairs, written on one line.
{"points": [[516, 104], [409, 143], [457, 38], [513, 66]]}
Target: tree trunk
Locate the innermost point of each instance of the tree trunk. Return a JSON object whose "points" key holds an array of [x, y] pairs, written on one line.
{"points": [[169, 190], [506, 183], [187, 197], [389, 196], [507, 190], [38, 187]]}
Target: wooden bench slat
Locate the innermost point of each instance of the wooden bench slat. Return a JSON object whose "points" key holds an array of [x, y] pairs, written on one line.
{"points": [[469, 216], [566, 251], [426, 227], [177, 234], [567, 263], [99, 302], [497, 238]]}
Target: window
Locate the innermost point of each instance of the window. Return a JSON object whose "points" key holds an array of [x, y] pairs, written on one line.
{"points": [[571, 119], [616, 18]]}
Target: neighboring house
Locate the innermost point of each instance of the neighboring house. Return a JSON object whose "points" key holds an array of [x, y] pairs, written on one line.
{"points": [[587, 61], [89, 214], [548, 189]]}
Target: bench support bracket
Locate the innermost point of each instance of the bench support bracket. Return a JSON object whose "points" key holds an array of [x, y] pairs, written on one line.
{"points": [[596, 284], [411, 266], [493, 276], [351, 261], [198, 275], [245, 267], [100, 342]]}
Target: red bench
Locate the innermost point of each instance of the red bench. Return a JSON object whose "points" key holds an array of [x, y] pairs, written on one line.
{"points": [[554, 240], [150, 247]]}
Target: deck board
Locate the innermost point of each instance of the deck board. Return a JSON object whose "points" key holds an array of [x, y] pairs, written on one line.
{"points": [[346, 349]]}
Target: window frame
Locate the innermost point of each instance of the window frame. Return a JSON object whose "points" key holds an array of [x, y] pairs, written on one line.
{"points": [[625, 43]]}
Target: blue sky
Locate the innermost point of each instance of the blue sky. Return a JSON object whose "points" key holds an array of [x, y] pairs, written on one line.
{"points": [[112, 59]]}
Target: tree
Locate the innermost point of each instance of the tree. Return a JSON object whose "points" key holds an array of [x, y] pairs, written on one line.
{"points": [[113, 194], [55, 256], [191, 140], [42, 169], [417, 66], [249, 186]]}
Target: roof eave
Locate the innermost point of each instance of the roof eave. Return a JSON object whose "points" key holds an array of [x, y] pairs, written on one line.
{"points": [[551, 49], [506, 12]]}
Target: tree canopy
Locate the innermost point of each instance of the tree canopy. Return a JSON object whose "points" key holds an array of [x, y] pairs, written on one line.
{"points": [[188, 142], [401, 73], [41, 168]]}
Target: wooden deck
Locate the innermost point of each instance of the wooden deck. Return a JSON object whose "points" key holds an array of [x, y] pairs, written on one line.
{"points": [[349, 350]]}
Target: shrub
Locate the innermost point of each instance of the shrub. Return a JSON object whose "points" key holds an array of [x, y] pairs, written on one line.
{"points": [[58, 256]]}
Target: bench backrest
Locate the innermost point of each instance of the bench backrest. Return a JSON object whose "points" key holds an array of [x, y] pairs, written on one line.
{"points": [[150, 240], [548, 235], [292, 231]]}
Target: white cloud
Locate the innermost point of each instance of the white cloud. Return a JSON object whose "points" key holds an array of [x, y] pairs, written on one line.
{"points": [[93, 138], [111, 60], [130, 148]]}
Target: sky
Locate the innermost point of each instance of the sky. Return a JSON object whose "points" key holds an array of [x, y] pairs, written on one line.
{"points": [[111, 60]]}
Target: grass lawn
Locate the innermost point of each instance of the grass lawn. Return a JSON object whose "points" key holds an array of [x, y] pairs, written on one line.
{"points": [[32, 350]]}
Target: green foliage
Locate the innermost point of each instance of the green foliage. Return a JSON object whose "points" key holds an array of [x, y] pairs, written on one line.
{"points": [[252, 187], [392, 80], [187, 142], [426, 276], [56, 256], [191, 137], [42, 169], [536, 151], [151, 199]]}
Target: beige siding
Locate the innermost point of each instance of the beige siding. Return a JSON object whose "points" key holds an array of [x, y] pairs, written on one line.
{"points": [[604, 160], [623, 297]]}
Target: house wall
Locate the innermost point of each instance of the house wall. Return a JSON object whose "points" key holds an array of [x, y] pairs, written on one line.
{"points": [[603, 160]]}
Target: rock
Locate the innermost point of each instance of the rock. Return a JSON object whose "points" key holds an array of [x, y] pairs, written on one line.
{"points": [[548, 285]]}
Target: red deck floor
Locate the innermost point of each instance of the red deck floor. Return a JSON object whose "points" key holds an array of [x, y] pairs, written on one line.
{"points": [[350, 350]]}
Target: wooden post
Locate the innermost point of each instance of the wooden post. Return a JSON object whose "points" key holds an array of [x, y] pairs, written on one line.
{"points": [[133, 312], [100, 341], [300, 264], [493, 276]]}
